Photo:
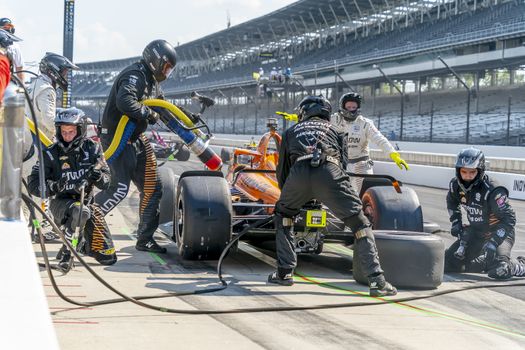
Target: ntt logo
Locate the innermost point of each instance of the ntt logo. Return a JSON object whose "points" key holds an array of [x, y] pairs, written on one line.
{"points": [[519, 185]]}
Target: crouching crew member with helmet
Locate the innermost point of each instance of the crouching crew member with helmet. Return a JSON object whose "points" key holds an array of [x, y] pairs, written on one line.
{"points": [[482, 220], [70, 163], [360, 132], [312, 160], [127, 149]]}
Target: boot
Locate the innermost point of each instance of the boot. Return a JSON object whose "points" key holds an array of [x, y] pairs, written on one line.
{"points": [[66, 263], [379, 287]]}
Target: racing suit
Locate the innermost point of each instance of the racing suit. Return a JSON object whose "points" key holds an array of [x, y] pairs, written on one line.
{"points": [[43, 95], [71, 168], [360, 132], [483, 221], [127, 149], [300, 182], [17, 59]]}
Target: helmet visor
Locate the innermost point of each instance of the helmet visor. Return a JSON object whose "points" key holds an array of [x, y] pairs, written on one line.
{"points": [[167, 69]]}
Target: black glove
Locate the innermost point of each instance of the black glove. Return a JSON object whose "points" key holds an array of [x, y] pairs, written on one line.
{"points": [[57, 186], [489, 251], [153, 117], [94, 174], [456, 230], [80, 185]]}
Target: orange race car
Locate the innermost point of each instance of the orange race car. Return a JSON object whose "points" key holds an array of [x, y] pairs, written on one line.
{"points": [[210, 208]]}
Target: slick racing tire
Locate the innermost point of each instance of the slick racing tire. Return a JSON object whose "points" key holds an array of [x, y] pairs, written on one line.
{"points": [[203, 217], [168, 194], [388, 210], [183, 154], [226, 155], [411, 260]]}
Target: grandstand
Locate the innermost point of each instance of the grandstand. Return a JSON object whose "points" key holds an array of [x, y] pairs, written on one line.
{"points": [[336, 46]]}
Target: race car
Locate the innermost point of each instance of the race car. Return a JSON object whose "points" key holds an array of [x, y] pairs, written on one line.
{"points": [[210, 208]]}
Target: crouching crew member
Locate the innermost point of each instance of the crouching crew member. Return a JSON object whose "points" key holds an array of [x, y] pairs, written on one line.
{"points": [[482, 220], [73, 162], [312, 160]]}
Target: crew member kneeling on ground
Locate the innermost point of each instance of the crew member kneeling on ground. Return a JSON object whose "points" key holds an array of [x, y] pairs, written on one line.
{"points": [[482, 220], [127, 148], [311, 166], [73, 162]]}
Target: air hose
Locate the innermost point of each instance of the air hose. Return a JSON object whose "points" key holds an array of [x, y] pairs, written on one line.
{"points": [[224, 285]]}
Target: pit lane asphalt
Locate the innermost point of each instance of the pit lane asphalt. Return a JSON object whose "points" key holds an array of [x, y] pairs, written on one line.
{"points": [[474, 319]]}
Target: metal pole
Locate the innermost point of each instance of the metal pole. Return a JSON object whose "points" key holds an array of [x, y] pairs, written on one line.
{"points": [[467, 134], [508, 120], [431, 120], [402, 98]]}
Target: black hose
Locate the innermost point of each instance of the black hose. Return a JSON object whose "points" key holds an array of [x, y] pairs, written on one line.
{"points": [[224, 284]]}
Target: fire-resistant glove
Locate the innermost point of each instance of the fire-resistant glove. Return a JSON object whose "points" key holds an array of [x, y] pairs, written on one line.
{"points": [[153, 117], [80, 185], [56, 186], [94, 174], [489, 251], [398, 160]]}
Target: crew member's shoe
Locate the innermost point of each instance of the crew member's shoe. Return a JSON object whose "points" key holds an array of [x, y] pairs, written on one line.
{"points": [[286, 280], [65, 264], [61, 252], [379, 287], [150, 246]]}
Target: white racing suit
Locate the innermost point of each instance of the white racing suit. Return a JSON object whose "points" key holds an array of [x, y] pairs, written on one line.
{"points": [[360, 132], [43, 95]]}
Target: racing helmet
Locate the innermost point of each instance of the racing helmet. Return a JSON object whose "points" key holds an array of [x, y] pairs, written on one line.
{"points": [[272, 123], [160, 58], [470, 158], [7, 25], [7, 39], [57, 68], [71, 116], [314, 106], [350, 96]]}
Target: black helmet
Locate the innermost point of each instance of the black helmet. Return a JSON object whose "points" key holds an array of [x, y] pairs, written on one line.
{"points": [[351, 96], [272, 123], [71, 116], [57, 67], [7, 39], [314, 106], [7, 25], [160, 58], [470, 158]]}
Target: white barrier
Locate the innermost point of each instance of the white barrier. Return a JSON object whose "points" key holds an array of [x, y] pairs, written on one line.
{"points": [[439, 177], [25, 322]]}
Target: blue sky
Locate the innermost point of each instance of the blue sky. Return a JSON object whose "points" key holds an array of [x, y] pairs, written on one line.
{"points": [[121, 28]]}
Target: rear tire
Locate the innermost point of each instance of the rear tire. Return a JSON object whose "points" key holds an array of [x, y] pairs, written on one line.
{"points": [[202, 217], [409, 259], [388, 210]]}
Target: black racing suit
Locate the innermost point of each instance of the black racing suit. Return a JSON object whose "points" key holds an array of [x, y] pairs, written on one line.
{"points": [[300, 182], [74, 165], [132, 157], [487, 218]]}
